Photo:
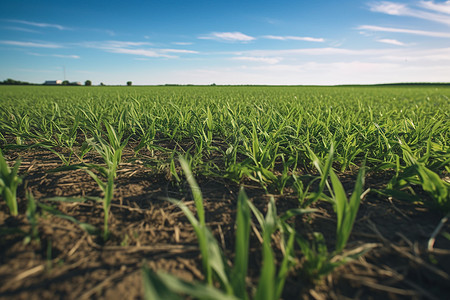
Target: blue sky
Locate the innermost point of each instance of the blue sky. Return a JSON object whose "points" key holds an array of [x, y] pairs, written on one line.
{"points": [[226, 42]]}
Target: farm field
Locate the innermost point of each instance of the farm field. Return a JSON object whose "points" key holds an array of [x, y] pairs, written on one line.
{"points": [[225, 192]]}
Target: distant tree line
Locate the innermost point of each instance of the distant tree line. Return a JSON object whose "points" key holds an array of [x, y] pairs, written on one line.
{"points": [[10, 81], [413, 83]]}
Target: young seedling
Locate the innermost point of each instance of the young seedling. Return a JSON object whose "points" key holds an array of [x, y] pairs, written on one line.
{"points": [[346, 209], [9, 181], [111, 153], [417, 174], [32, 219], [223, 282]]}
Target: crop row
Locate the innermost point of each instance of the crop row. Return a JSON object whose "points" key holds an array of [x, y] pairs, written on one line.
{"points": [[280, 137]]}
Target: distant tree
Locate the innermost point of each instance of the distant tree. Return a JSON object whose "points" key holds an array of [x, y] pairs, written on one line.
{"points": [[88, 83], [129, 83], [65, 82], [102, 84]]}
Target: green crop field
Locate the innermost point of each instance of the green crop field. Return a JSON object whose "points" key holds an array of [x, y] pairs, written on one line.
{"points": [[225, 192]]}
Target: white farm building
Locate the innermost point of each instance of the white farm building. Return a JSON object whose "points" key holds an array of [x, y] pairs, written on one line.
{"points": [[53, 82]]}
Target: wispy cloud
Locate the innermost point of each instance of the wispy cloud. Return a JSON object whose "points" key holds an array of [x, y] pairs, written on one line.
{"points": [[182, 43], [407, 31], [15, 28], [424, 55], [228, 37], [327, 51], [267, 60], [391, 42], [293, 38], [55, 26], [439, 7], [41, 25], [331, 55], [438, 14], [240, 37], [178, 51], [316, 72], [66, 56], [30, 44], [135, 48], [390, 8], [55, 55], [140, 52], [119, 44]]}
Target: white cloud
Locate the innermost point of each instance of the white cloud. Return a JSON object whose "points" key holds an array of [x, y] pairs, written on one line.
{"points": [[30, 44], [66, 56], [134, 48], [315, 72], [125, 44], [293, 38], [182, 43], [407, 31], [439, 7], [390, 8], [55, 55], [240, 37], [391, 42], [424, 56], [267, 60], [293, 57], [41, 25], [400, 9], [140, 52], [328, 51], [228, 36], [178, 51], [20, 29]]}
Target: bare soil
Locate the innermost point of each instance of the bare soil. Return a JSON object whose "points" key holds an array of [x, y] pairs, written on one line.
{"points": [[68, 263]]}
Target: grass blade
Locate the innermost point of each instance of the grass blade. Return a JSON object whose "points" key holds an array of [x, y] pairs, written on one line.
{"points": [[239, 272], [266, 285], [196, 192], [164, 286]]}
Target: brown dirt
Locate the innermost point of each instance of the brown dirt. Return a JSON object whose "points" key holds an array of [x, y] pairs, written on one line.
{"points": [[68, 263]]}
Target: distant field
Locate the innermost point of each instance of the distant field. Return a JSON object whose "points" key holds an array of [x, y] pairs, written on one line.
{"points": [[307, 191]]}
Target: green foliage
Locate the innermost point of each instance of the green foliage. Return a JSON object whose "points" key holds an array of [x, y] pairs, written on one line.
{"points": [[284, 138], [254, 133], [31, 214], [317, 259], [346, 209], [9, 181], [164, 286], [111, 152], [10, 81], [231, 282], [416, 174]]}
